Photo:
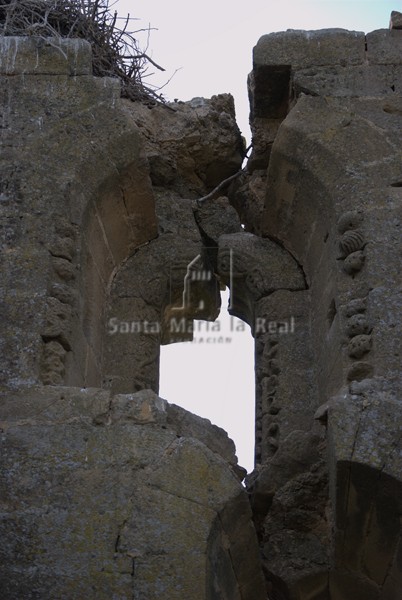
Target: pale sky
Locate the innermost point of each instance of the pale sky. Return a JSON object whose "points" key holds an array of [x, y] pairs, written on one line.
{"points": [[210, 44]]}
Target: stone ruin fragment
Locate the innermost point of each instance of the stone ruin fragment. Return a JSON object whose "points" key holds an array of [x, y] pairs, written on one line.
{"points": [[107, 490]]}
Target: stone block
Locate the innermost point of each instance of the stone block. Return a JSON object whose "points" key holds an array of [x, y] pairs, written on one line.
{"points": [[217, 217], [96, 506], [189, 425], [395, 21], [356, 80], [142, 408], [300, 49], [283, 365], [384, 47], [45, 56], [260, 265]]}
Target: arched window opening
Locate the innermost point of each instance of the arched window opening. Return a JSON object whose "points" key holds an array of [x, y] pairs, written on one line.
{"points": [[213, 377]]}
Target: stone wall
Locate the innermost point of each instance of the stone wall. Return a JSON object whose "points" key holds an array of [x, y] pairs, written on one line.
{"points": [[107, 492], [74, 181], [326, 166], [120, 496], [110, 234]]}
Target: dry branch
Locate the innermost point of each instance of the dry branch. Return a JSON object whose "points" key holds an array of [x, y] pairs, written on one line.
{"points": [[222, 185], [219, 188]]}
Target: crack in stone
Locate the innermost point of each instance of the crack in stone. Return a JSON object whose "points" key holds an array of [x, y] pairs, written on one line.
{"points": [[176, 495]]}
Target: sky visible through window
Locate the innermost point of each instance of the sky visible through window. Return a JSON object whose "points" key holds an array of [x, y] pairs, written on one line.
{"points": [[208, 46], [213, 376]]}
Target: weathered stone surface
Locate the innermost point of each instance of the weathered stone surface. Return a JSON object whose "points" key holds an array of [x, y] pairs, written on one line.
{"points": [[248, 198], [122, 216], [286, 393], [216, 218], [296, 528], [45, 56], [395, 20], [306, 48], [73, 215], [191, 144], [288, 189], [99, 492], [264, 131], [299, 452], [253, 268], [365, 451], [232, 528], [361, 80], [337, 214], [215, 438], [384, 47]]}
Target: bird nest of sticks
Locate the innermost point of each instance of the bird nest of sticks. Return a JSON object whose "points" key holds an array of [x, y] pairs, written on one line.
{"points": [[115, 49]]}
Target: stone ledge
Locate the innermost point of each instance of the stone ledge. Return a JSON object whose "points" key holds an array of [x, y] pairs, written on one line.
{"points": [[40, 56], [301, 49], [53, 406], [371, 80]]}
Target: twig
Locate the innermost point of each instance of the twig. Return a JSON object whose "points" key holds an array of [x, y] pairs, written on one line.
{"points": [[147, 58], [218, 188], [223, 184], [158, 89]]}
